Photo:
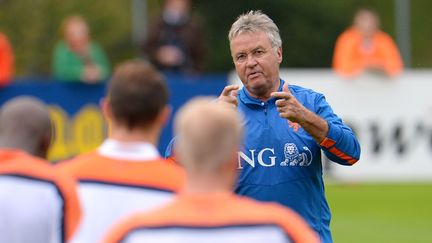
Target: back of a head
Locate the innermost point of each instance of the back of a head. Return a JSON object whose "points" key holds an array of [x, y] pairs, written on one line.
{"points": [[137, 94], [208, 133], [256, 21], [25, 124]]}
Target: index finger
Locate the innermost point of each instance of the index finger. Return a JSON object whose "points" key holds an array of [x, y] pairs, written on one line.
{"points": [[281, 95], [284, 94], [227, 90], [285, 88]]}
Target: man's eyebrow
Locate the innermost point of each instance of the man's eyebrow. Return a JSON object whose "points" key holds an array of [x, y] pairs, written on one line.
{"points": [[258, 47], [254, 49]]}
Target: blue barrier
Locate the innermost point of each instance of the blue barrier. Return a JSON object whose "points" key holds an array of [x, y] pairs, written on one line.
{"points": [[74, 108]]}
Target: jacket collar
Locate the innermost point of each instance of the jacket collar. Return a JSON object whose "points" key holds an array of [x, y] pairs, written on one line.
{"points": [[247, 99]]}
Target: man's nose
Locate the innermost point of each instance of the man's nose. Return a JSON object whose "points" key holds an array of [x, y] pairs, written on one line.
{"points": [[251, 61]]}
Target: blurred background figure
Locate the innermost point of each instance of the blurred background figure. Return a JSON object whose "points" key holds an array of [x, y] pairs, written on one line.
{"points": [[37, 203], [209, 135], [77, 57], [7, 60], [364, 47], [176, 41]]}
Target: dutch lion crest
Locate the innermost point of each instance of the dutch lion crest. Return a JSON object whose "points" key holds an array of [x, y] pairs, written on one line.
{"points": [[294, 158]]}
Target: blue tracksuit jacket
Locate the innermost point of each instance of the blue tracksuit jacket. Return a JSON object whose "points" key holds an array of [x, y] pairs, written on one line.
{"points": [[281, 162]]}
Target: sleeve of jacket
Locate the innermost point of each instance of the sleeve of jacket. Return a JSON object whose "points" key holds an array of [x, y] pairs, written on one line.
{"points": [[65, 66], [100, 58], [169, 151], [340, 144]]}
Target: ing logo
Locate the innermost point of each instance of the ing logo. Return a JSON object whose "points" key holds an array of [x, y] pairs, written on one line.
{"points": [[266, 157]]}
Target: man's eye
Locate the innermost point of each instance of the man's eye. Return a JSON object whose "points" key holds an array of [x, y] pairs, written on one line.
{"points": [[259, 52], [240, 57]]}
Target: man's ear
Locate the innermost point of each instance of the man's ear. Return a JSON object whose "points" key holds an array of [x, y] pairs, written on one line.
{"points": [[106, 110], [164, 115], [45, 143], [279, 54]]}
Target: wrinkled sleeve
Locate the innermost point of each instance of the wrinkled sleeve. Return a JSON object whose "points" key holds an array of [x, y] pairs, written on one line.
{"points": [[340, 144], [169, 151]]}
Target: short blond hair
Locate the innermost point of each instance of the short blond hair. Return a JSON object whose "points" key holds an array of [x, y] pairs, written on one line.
{"points": [[208, 134], [256, 21]]}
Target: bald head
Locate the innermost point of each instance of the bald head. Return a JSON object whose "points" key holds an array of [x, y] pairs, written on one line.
{"points": [[209, 135], [25, 124]]}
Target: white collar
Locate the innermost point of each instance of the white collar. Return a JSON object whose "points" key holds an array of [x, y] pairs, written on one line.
{"points": [[135, 151]]}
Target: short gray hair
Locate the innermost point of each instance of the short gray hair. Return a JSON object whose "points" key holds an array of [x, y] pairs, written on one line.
{"points": [[256, 21]]}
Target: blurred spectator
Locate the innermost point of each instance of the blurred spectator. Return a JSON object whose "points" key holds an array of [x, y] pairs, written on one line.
{"points": [[6, 61], [77, 57], [175, 40], [37, 203], [365, 47]]}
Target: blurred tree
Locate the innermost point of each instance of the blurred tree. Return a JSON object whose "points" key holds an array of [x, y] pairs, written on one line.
{"points": [[421, 34], [34, 27], [308, 28]]}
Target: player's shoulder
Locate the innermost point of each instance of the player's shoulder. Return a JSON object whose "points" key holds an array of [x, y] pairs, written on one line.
{"points": [[170, 175], [79, 163], [22, 163], [81, 158], [32, 167], [167, 164], [383, 38], [285, 218]]}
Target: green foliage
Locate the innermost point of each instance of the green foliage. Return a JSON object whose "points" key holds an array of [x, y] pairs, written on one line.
{"points": [[421, 34], [308, 28], [33, 26], [376, 213]]}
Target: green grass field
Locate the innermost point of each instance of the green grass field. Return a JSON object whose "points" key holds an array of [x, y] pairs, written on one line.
{"points": [[381, 212]]}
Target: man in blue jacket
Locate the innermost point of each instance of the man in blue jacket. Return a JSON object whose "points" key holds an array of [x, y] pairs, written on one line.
{"points": [[287, 126]]}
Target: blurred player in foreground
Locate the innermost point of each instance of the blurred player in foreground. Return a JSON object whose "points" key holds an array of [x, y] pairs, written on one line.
{"points": [[287, 126], [207, 210], [37, 203], [126, 173]]}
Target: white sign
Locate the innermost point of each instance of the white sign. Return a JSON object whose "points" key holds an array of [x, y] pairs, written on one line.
{"points": [[391, 116]]}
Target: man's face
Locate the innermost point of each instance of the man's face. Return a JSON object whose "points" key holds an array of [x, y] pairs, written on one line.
{"points": [[256, 62], [77, 36], [367, 23]]}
